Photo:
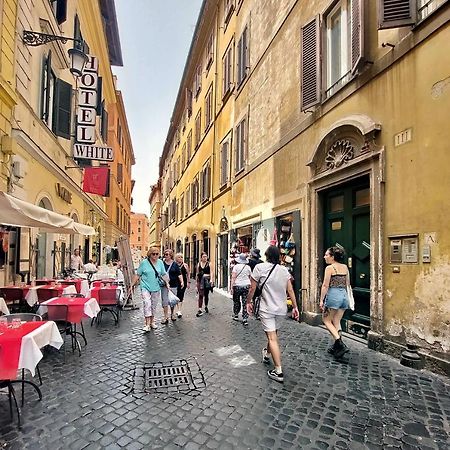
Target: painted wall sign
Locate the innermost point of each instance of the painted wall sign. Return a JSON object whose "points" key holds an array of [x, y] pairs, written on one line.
{"points": [[63, 193], [93, 152]]}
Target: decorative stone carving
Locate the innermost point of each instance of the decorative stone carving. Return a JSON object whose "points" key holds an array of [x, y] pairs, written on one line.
{"points": [[339, 153]]}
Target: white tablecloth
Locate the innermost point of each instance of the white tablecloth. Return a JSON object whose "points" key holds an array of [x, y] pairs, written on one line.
{"points": [[91, 307], [32, 297], [30, 350], [84, 288], [3, 308], [70, 289]]}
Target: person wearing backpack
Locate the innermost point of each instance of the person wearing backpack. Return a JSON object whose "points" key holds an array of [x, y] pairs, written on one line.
{"points": [[152, 276], [240, 285], [274, 281]]}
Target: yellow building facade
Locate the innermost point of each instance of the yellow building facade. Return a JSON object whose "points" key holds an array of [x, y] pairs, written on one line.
{"points": [[118, 204], [322, 134], [154, 201], [40, 166]]}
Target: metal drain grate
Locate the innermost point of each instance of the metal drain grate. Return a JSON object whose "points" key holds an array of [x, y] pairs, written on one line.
{"points": [[168, 377]]}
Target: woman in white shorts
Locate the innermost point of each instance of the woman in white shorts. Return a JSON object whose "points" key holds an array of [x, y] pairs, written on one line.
{"points": [[275, 281], [151, 274]]}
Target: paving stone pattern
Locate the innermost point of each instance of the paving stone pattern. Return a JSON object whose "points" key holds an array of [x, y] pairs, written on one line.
{"points": [[370, 403]]}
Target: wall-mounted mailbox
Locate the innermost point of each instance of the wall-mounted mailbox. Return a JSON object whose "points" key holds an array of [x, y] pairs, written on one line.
{"points": [[404, 249]]}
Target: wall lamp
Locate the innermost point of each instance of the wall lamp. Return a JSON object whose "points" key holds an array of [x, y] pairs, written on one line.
{"points": [[77, 57]]}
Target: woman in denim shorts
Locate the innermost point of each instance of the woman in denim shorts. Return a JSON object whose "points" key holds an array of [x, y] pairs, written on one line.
{"points": [[334, 298]]}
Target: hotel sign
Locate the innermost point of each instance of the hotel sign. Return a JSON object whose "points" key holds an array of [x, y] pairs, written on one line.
{"points": [[87, 115]]}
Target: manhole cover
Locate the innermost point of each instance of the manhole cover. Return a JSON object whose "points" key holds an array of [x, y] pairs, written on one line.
{"points": [[168, 377]]}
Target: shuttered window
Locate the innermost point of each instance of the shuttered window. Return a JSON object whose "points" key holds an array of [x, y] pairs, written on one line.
{"points": [[47, 90], [62, 109], [357, 34], [209, 51], [240, 145], [205, 182], [227, 70], [59, 8], [228, 8], [396, 13], [119, 173], [310, 64], [208, 108], [198, 128], [189, 147], [189, 102], [242, 57], [104, 123], [224, 161]]}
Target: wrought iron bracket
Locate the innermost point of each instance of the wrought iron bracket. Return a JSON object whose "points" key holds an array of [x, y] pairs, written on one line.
{"points": [[35, 39]]}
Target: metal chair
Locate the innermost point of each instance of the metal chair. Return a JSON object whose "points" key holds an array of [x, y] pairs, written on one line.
{"points": [[11, 396], [26, 317], [60, 314]]}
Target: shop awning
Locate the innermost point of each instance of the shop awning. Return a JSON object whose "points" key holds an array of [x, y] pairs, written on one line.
{"points": [[19, 213]]}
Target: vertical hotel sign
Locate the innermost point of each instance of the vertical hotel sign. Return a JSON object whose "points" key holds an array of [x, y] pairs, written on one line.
{"points": [[87, 115]]}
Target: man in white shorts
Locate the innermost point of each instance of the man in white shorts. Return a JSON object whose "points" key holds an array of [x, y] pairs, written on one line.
{"points": [[275, 281]]}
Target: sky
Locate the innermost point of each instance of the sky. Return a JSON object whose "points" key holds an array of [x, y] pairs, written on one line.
{"points": [[155, 36]]}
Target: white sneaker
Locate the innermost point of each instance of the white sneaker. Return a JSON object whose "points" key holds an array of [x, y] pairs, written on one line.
{"points": [[146, 328], [179, 315], [153, 326]]}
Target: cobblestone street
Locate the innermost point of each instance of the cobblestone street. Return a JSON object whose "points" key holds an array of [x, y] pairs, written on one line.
{"points": [[371, 402]]}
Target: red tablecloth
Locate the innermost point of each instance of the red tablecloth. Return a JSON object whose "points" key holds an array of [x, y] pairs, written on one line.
{"points": [[10, 344], [75, 310]]}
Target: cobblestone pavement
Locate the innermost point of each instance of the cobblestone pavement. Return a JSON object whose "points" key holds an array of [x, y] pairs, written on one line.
{"points": [[371, 402]]}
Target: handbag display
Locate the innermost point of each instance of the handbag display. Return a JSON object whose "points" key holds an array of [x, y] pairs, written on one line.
{"points": [[351, 299]]}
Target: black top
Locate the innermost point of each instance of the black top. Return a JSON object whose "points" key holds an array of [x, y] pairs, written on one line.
{"points": [[174, 272], [203, 271], [183, 273], [252, 262]]}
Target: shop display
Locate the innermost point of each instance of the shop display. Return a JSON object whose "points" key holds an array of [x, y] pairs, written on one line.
{"points": [[287, 244]]}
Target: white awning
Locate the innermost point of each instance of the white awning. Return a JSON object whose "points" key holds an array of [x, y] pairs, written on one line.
{"points": [[19, 213]]}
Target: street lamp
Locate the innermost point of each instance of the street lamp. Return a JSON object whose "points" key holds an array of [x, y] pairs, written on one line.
{"points": [[77, 57]]}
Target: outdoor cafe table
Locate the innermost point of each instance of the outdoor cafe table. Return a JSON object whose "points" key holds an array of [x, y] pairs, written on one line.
{"points": [[81, 285], [94, 292], [20, 348], [31, 296], [77, 307]]}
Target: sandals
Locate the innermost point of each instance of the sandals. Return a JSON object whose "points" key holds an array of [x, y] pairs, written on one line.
{"points": [[164, 322]]}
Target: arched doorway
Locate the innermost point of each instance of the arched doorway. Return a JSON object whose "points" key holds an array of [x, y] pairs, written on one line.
{"points": [[346, 204]]}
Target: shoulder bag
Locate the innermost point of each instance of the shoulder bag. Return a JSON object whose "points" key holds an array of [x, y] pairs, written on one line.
{"points": [[161, 282], [258, 292]]}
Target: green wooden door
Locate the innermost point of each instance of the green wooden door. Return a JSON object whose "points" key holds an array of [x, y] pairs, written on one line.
{"points": [[347, 224]]}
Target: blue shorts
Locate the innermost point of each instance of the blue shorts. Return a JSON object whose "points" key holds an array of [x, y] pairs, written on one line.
{"points": [[336, 298]]}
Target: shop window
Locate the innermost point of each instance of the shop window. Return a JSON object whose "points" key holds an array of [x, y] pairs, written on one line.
{"points": [[286, 242]]}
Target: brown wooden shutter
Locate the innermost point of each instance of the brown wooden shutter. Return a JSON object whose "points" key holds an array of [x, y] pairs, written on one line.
{"points": [[396, 13], [310, 64], [62, 109], [357, 31]]}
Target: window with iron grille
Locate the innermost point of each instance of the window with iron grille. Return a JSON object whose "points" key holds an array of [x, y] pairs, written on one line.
{"points": [[225, 160], [242, 57], [208, 107], [198, 128], [227, 70], [240, 145]]}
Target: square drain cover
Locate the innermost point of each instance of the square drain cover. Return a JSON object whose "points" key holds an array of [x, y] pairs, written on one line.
{"points": [[167, 377]]}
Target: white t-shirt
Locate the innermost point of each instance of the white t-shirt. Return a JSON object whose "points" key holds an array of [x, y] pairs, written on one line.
{"points": [[243, 273], [273, 299]]}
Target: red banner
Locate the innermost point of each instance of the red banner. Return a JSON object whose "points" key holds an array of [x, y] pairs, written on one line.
{"points": [[96, 180]]}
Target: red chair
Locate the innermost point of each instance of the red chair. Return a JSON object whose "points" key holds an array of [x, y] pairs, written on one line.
{"points": [[14, 298], [97, 283], [41, 282], [45, 294], [108, 301]]}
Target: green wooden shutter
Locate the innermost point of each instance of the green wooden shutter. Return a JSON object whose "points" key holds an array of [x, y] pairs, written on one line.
{"points": [[62, 109]]}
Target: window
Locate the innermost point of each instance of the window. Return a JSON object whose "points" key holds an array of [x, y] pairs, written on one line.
{"points": [[139, 238], [224, 161], [198, 80], [182, 207], [338, 30], [227, 70], [343, 51], [189, 147], [194, 194], [183, 158], [210, 51], [242, 57], [198, 128], [228, 7], [139, 229], [205, 182], [187, 199], [208, 108], [400, 13], [119, 173], [240, 145], [59, 8], [178, 168], [56, 101]]}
